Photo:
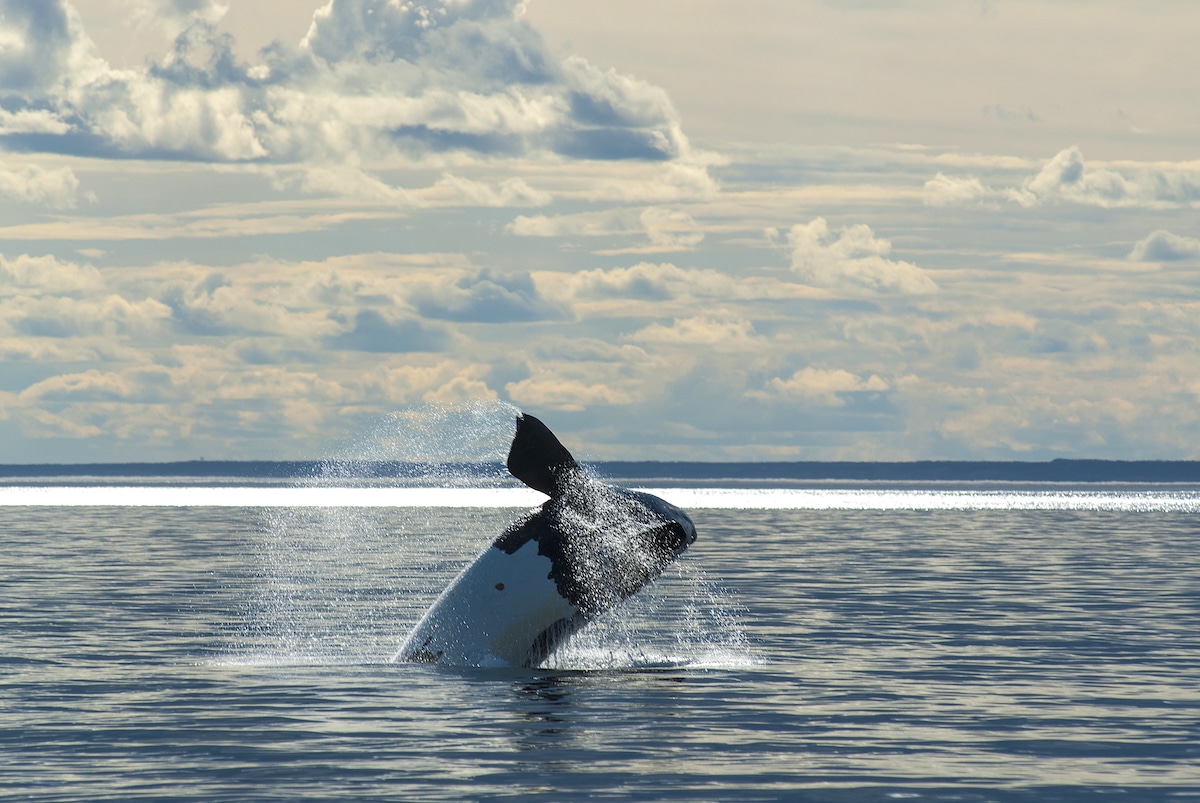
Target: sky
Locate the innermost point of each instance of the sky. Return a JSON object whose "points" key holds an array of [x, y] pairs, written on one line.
{"points": [[672, 229]]}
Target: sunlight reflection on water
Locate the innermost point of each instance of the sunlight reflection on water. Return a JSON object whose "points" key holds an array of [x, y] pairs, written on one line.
{"points": [[690, 498]]}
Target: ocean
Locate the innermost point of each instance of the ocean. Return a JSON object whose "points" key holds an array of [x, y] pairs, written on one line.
{"points": [[214, 638]]}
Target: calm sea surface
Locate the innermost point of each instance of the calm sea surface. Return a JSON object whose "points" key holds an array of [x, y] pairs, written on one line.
{"points": [[909, 643]]}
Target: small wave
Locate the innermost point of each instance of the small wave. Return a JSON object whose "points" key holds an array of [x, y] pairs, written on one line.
{"points": [[286, 659], [599, 659]]}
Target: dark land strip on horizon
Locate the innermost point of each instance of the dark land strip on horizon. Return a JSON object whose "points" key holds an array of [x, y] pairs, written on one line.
{"points": [[1060, 470]]}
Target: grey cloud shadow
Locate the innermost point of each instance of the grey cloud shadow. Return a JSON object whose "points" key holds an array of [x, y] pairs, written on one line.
{"points": [[372, 332], [611, 144], [487, 297]]}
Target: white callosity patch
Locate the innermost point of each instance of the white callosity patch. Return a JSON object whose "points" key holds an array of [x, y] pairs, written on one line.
{"points": [[492, 613]]}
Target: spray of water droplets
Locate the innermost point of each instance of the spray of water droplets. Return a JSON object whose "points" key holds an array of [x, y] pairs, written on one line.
{"points": [[345, 585], [681, 620]]}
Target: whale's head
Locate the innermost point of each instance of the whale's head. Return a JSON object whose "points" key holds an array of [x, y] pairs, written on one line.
{"points": [[604, 542], [681, 536]]}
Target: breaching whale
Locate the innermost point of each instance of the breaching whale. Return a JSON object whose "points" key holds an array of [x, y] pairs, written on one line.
{"points": [[587, 548]]}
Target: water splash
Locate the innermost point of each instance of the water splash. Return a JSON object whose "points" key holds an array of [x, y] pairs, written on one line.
{"points": [[344, 585], [681, 620], [431, 445]]}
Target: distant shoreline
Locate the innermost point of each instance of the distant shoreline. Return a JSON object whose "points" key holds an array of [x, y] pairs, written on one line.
{"points": [[1060, 470]]}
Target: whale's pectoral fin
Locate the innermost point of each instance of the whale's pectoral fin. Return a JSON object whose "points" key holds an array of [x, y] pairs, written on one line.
{"points": [[537, 459]]}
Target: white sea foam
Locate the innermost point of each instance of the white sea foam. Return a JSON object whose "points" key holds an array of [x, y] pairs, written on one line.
{"points": [[687, 498]]}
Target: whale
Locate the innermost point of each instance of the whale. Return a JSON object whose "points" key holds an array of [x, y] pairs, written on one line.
{"points": [[587, 548]]}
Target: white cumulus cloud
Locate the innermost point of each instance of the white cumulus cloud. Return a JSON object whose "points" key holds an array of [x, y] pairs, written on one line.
{"points": [[1068, 178], [36, 275], [715, 331], [648, 281], [57, 188], [853, 259], [371, 79], [822, 385], [1163, 246]]}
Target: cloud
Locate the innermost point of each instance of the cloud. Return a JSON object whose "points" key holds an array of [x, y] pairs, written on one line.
{"points": [[550, 389], [943, 190], [43, 297], [487, 296], [372, 79], [216, 306], [1163, 246], [214, 223], [644, 281], [507, 193], [853, 260], [1010, 114], [46, 274], [583, 224], [91, 385], [110, 315], [608, 291], [670, 229], [1067, 178], [174, 17], [32, 121], [662, 183], [665, 230], [32, 184], [347, 181], [372, 332], [715, 331], [824, 386], [444, 382]]}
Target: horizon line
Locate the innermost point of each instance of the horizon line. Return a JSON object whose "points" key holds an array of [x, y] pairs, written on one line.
{"points": [[1059, 469]]}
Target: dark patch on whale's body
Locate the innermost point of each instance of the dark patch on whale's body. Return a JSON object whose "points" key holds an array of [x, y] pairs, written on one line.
{"points": [[574, 560], [600, 545]]}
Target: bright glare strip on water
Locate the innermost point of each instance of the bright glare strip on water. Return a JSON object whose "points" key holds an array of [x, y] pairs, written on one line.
{"points": [[687, 498], [811, 499], [194, 496]]}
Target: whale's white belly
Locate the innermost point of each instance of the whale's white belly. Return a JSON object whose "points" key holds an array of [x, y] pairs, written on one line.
{"points": [[492, 613]]}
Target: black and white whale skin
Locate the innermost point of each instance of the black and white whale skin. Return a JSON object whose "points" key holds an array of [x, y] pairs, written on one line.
{"points": [[587, 548]]}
